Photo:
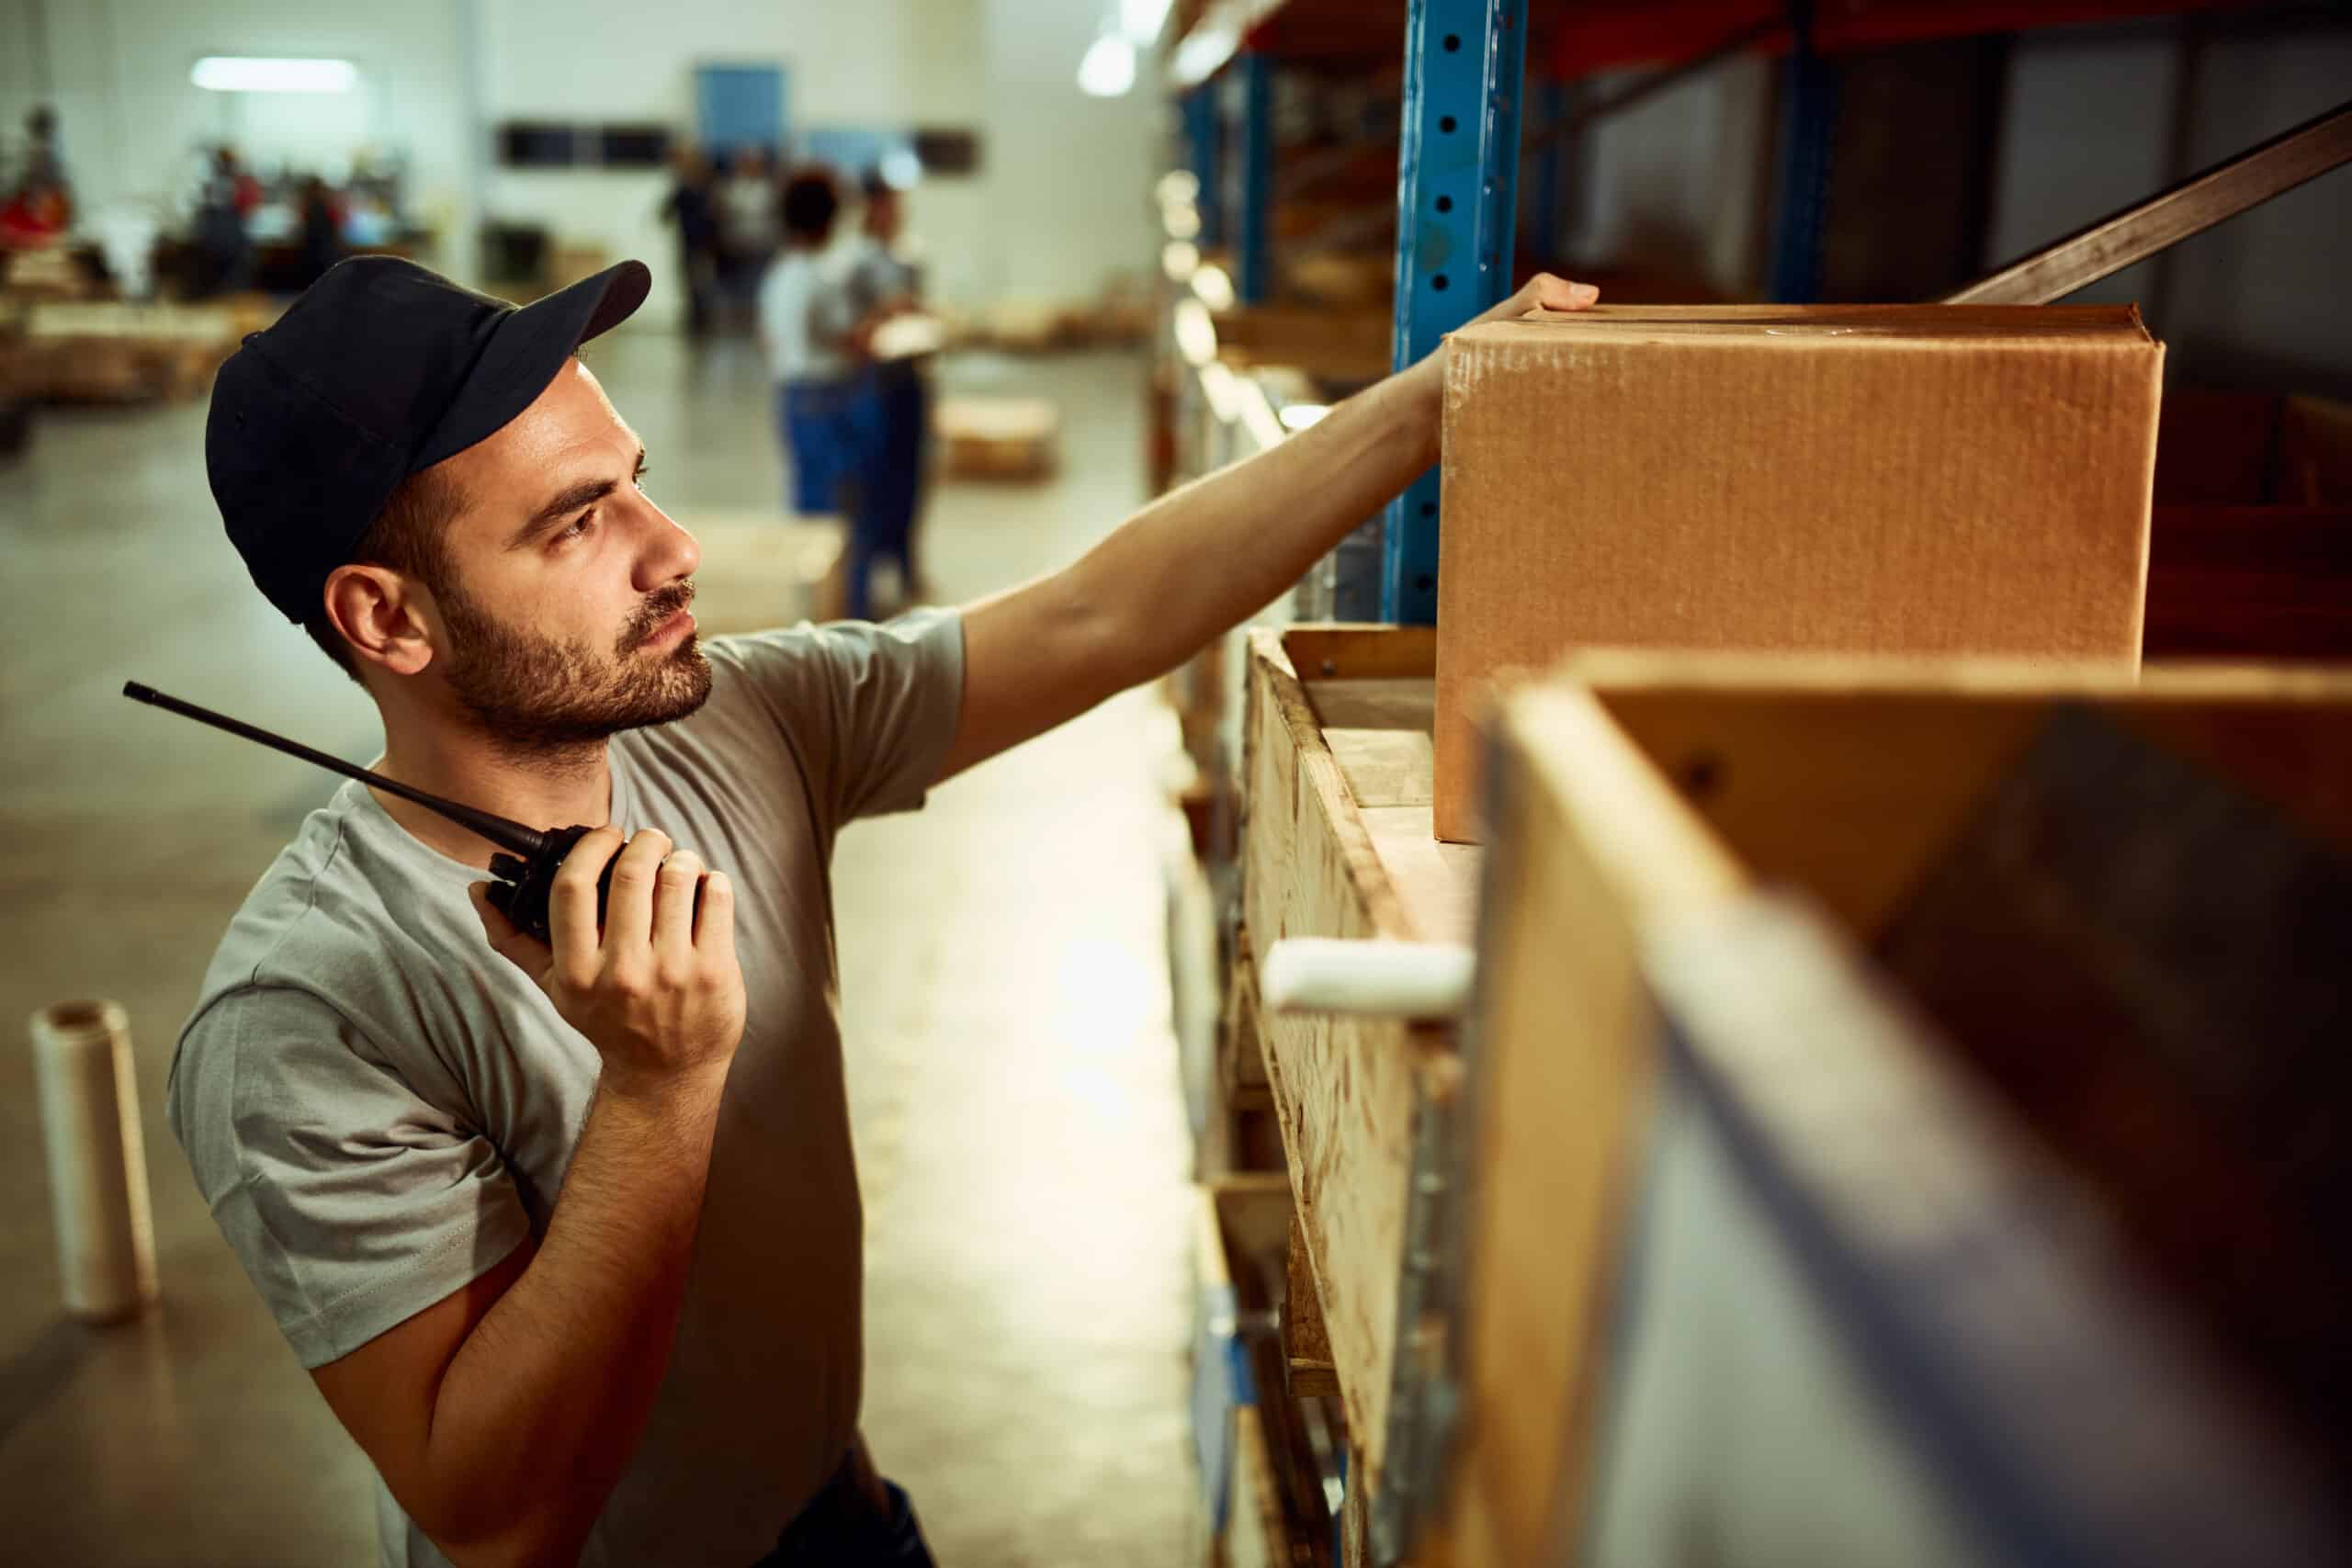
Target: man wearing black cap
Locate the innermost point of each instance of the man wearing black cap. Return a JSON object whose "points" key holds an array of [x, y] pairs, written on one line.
{"points": [[569, 1234]]}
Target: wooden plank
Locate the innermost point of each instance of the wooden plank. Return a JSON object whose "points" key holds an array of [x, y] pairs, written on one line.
{"points": [[1403, 702], [1591, 849], [1255, 1533], [1344, 1089], [1384, 767], [1305, 1342], [1241, 1054]]}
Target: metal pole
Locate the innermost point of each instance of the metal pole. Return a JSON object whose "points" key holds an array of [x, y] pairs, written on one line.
{"points": [[1255, 231], [1457, 212], [2190, 207], [1808, 131], [1204, 139]]}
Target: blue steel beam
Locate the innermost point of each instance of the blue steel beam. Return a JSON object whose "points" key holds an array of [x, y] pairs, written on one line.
{"points": [[1808, 134], [1254, 232], [1457, 212], [1204, 142]]}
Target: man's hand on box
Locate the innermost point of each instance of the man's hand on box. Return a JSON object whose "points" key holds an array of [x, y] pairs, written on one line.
{"points": [[1542, 290]]}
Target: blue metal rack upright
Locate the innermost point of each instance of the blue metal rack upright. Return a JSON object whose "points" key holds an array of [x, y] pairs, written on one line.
{"points": [[1457, 206], [1254, 252]]}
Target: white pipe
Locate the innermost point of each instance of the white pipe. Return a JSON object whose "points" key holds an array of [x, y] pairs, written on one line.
{"points": [[1382, 979], [97, 1166]]}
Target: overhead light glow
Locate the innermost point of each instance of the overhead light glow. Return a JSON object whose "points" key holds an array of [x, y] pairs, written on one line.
{"points": [[1177, 187], [248, 74], [1142, 19], [1178, 258], [1109, 68], [1195, 333], [1214, 285], [1182, 221], [1300, 416]]}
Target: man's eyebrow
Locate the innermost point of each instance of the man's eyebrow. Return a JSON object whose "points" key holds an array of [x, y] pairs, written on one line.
{"points": [[587, 493]]}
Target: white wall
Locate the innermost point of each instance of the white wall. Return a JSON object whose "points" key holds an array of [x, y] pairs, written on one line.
{"points": [[1061, 196], [131, 122], [1060, 200]]}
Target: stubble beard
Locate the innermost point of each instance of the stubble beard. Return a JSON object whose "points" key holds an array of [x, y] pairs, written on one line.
{"points": [[545, 701]]}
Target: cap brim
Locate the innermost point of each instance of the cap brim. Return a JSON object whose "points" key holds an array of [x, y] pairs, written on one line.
{"points": [[525, 350]]}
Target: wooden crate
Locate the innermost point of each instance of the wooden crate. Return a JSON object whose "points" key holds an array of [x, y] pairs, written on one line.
{"points": [[1242, 1420], [998, 438], [2019, 852], [760, 571], [1337, 843]]}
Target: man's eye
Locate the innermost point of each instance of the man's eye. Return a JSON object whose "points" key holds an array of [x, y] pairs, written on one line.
{"points": [[580, 527], [638, 479]]}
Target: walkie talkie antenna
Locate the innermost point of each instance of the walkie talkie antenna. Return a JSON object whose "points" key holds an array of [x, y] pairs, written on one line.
{"points": [[503, 831]]}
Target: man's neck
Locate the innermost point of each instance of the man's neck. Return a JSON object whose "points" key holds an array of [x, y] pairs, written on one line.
{"points": [[557, 790]]}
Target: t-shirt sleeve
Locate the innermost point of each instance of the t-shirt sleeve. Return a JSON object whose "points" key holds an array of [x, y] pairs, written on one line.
{"points": [[870, 710], [353, 1201]]}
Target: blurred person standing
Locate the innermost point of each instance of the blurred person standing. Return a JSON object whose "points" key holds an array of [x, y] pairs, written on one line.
{"points": [[40, 206], [224, 251], [322, 229], [808, 321], [747, 222], [692, 208], [886, 280]]}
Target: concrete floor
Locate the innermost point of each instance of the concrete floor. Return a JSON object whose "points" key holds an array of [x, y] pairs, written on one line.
{"points": [[1012, 1068]]}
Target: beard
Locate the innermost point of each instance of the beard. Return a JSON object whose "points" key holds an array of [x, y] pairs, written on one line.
{"points": [[539, 697]]}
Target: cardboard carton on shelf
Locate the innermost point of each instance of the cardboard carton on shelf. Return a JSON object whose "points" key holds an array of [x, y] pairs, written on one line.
{"points": [[1898, 479]]}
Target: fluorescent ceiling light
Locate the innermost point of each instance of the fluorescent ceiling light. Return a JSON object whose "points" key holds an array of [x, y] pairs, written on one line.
{"points": [[244, 74], [1300, 416], [1142, 19], [1109, 68]]}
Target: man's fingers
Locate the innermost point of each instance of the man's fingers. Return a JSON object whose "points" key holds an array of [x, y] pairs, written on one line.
{"points": [[571, 900], [715, 921], [526, 953], [674, 906], [1558, 294], [629, 903]]}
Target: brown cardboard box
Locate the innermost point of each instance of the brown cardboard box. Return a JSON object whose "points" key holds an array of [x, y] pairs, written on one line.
{"points": [[1918, 480]]}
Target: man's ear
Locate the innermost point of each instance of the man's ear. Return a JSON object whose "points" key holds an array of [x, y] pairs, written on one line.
{"points": [[379, 614]]}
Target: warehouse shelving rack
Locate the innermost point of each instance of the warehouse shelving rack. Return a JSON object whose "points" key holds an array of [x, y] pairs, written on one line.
{"points": [[1471, 69], [1487, 91]]}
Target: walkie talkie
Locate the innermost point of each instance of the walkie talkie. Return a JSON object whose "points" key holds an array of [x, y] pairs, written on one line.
{"points": [[521, 877]]}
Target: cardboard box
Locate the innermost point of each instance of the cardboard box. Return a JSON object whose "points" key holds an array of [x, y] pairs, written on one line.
{"points": [[1915, 479], [998, 438]]}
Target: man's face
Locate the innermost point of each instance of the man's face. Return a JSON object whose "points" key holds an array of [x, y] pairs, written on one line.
{"points": [[563, 619]]}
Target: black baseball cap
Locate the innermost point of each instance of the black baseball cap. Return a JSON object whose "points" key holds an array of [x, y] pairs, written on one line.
{"points": [[381, 369]]}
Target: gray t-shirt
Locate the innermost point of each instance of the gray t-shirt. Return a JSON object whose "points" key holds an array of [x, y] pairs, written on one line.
{"points": [[378, 1108]]}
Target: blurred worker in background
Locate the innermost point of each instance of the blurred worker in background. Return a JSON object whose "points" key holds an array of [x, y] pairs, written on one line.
{"points": [[224, 250], [40, 207], [322, 229], [808, 319], [692, 208], [886, 281], [747, 223]]}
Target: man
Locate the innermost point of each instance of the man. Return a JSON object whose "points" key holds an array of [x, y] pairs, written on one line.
{"points": [[692, 208], [894, 400], [809, 330], [568, 1233], [747, 222]]}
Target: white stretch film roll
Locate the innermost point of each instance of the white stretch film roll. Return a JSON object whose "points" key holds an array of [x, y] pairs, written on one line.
{"points": [[1378, 979], [98, 1167]]}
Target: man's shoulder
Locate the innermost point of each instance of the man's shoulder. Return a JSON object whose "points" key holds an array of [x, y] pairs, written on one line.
{"points": [[326, 918]]}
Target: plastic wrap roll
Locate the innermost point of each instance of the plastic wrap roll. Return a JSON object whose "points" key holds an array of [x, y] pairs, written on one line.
{"points": [[97, 1166]]}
